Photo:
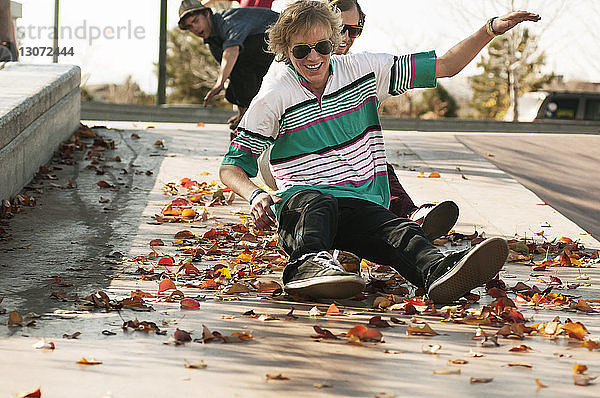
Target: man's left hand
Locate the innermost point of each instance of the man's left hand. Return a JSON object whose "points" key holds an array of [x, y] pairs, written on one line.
{"points": [[213, 91], [506, 22]]}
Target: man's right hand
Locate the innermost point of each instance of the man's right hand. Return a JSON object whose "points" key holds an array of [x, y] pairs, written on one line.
{"points": [[260, 210]]}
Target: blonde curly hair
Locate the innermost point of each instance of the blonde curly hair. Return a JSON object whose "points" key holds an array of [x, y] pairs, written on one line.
{"points": [[303, 16]]}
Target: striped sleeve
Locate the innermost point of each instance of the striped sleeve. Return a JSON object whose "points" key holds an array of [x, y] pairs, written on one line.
{"points": [[245, 150], [412, 71]]}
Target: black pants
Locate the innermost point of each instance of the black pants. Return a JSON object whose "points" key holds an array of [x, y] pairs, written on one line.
{"points": [[250, 68], [311, 221]]}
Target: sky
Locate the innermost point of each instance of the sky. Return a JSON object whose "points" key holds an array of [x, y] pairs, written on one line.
{"points": [[112, 39]]}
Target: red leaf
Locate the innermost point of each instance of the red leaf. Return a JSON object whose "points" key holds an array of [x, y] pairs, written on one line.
{"points": [[166, 261], [34, 394], [189, 303], [157, 242]]}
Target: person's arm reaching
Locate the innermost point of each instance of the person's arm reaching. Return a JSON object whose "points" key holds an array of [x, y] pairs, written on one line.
{"points": [[260, 208], [228, 60], [461, 54]]}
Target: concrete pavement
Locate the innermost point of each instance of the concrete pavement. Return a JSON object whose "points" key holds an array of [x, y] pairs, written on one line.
{"points": [[137, 364]]}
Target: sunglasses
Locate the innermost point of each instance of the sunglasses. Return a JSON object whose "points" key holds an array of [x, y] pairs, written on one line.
{"points": [[323, 47], [353, 30]]}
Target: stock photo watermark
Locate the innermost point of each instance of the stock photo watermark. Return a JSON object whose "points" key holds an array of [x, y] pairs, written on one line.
{"points": [[83, 31]]}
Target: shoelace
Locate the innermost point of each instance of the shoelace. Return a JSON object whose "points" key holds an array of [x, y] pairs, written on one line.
{"points": [[325, 258]]}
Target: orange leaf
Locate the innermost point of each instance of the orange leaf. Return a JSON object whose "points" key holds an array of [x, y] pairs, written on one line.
{"points": [[434, 174], [364, 333], [189, 303], [521, 348], [156, 242], [166, 284], [209, 284], [199, 124], [84, 361], [575, 330], [424, 330], [577, 368], [170, 211], [333, 310], [166, 261]]}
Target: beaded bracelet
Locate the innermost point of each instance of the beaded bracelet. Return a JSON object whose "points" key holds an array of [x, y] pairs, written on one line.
{"points": [[490, 29], [254, 194]]}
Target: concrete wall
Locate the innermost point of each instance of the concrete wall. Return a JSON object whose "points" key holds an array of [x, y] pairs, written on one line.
{"points": [[39, 108]]}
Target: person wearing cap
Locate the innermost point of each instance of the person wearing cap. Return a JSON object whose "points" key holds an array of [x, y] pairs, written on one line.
{"points": [[319, 114], [237, 40]]}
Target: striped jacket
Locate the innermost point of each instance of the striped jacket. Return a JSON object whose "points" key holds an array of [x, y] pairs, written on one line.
{"points": [[332, 143]]}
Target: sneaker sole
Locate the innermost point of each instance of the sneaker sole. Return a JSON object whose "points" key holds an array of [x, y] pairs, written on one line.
{"points": [[479, 266], [440, 220], [334, 286]]}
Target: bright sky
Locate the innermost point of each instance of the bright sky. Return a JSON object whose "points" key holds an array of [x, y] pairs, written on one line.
{"points": [[570, 36]]}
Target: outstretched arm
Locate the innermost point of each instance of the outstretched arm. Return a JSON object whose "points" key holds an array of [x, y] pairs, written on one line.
{"points": [[461, 54], [260, 208], [228, 60]]}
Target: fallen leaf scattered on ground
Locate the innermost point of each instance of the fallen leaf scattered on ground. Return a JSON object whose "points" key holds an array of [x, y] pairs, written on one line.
{"points": [[474, 380], [92, 361], [276, 376], [195, 364]]}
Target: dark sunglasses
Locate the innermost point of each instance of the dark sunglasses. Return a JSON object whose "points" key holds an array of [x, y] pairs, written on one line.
{"points": [[353, 30], [323, 47]]}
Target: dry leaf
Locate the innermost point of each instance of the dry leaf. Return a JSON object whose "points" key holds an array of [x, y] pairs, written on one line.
{"points": [[333, 310], [321, 385], [431, 348], [582, 380], [189, 303], [457, 361], [474, 380], [43, 345], [93, 361], [237, 288], [195, 365], [363, 333], [521, 348], [314, 311], [15, 319], [34, 394], [278, 376], [520, 364], [447, 371], [577, 368], [539, 384], [417, 330], [166, 284], [575, 330], [182, 335]]}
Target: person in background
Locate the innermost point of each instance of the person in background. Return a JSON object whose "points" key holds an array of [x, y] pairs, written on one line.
{"points": [[319, 114], [237, 40], [436, 219], [245, 3]]}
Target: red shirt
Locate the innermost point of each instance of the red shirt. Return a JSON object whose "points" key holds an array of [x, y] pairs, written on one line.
{"points": [[256, 3]]}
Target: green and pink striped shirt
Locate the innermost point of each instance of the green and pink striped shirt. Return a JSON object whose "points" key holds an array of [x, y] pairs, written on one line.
{"points": [[332, 143]]}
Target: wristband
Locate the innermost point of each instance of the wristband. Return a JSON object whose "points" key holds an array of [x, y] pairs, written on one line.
{"points": [[490, 29], [255, 193]]}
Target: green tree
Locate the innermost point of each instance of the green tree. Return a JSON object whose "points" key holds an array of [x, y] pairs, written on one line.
{"points": [[512, 67], [191, 69], [436, 103]]}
